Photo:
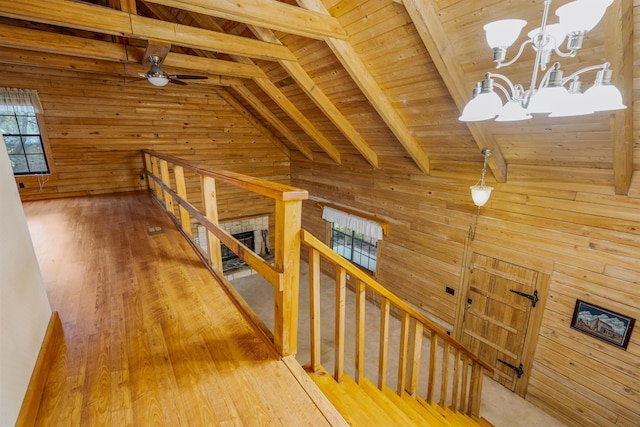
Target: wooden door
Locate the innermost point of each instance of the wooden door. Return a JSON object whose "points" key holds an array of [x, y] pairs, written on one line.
{"points": [[497, 315]]}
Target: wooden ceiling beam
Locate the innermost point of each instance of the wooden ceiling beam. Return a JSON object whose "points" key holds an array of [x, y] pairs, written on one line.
{"points": [[301, 120], [262, 109], [270, 14], [224, 94], [42, 41], [619, 49], [279, 98], [367, 84], [321, 100], [67, 13], [155, 48], [437, 44]]}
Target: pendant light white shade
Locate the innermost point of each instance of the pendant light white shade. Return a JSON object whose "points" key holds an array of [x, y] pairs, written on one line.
{"points": [[503, 33], [604, 98], [547, 99], [484, 106], [480, 194], [576, 104], [513, 111], [582, 15]]}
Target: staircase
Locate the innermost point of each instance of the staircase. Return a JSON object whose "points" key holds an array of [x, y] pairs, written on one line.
{"points": [[365, 405], [450, 370]]}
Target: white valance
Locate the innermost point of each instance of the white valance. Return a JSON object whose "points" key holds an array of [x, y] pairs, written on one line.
{"points": [[353, 222], [20, 101]]}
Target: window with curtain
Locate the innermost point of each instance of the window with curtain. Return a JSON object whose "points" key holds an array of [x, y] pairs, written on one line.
{"points": [[354, 238], [21, 131]]}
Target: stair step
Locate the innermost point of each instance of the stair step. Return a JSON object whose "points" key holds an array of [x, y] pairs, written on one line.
{"points": [[453, 417], [365, 405], [400, 414], [357, 408], [420, 415], [428, 411]]}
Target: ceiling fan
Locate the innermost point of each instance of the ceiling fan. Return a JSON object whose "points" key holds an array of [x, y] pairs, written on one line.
{"points": [[157, 77]]}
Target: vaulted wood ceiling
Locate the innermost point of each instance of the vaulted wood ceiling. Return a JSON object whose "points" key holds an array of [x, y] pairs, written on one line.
{"points": [[381, 79]]}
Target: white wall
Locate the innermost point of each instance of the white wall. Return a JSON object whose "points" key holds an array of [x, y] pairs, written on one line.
{"points": [[24, 307]]}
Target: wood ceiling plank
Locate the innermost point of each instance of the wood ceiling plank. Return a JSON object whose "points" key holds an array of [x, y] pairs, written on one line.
{"points": [[440, 49], [367, 84], [619, 48], [253, 100], [251, 119], [267, 14], [279, 98], [321, 100], [292, 111], [72, 14]]}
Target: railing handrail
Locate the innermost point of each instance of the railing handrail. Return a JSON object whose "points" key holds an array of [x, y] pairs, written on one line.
{"points": [[312, 241], [283, 274], [260, 186]]}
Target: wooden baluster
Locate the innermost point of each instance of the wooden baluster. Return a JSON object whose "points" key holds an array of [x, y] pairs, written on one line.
{"points": [[403, 359], [456, 379], [384, 342], [475, 391], [210, 200], [314, 307], [463, 389], [149, 170], [166, 180], [156, 172], [341, 291], [433, 361], [444, 384], [181, 187], [360, 330], [287, 261], [415, 357]]}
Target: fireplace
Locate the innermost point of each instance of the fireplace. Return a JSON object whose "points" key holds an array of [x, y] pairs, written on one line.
{"points": [[251, 232]]}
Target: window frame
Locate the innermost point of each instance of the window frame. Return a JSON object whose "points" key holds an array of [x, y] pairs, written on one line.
{"points": [[44, 141], [354, 239]]}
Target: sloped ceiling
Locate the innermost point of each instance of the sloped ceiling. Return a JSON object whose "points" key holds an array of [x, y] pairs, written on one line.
{"points": [[380, 79]]}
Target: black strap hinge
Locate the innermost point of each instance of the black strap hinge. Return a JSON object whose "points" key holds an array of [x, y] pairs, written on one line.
{"points": [[533, 298], [518, 369]]}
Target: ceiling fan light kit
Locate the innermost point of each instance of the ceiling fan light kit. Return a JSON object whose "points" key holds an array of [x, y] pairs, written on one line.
{"points": [[549, 96], [157, 77]]}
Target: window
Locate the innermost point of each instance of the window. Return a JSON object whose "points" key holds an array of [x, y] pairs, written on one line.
{"points": [[21, 132], [354, 237], [24, 143], [358, 248]]}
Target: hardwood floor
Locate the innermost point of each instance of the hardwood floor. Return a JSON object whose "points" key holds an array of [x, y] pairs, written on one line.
{"points": [[150, 338]]}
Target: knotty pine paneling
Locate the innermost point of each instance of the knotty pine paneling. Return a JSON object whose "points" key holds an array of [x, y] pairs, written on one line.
{"points": [[565, 222], [97, 125]]}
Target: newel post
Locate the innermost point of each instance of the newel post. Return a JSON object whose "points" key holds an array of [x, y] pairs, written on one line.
{"points": [[287, 260]]}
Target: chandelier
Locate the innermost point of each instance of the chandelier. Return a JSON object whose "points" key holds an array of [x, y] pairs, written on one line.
{"points": [[555, 95]]}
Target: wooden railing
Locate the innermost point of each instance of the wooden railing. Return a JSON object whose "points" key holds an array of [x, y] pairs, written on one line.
{"points": [[167, 181], [462, 392]]}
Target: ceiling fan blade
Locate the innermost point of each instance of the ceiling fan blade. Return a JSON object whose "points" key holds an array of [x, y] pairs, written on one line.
{"points": [[177, 82], [143, 75], [187, 77]]}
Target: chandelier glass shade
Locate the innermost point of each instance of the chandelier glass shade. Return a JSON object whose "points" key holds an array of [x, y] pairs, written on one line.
{"points": [[554, 94], [481, 192]]}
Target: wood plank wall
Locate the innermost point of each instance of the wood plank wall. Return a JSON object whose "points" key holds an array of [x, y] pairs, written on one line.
{"points": [[97, 125], [589, 236]]}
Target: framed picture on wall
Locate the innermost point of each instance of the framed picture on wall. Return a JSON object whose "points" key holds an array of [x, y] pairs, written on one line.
{"points": [[601, 323]]}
